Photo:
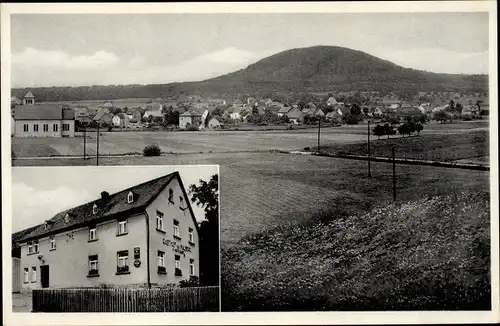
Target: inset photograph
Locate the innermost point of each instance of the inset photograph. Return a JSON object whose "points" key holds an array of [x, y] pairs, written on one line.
{"points": [[115, 239]]}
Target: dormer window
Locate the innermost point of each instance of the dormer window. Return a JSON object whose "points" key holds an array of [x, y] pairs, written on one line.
{"points": [[181, 202], [130, 197], [171, 195], [94, 209], [66, 219]]}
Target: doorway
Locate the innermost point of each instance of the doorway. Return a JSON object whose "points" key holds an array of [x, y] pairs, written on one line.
{"points": [[44, 275]]}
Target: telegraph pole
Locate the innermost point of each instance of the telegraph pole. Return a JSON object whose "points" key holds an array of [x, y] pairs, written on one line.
{"points": [[319, 131], [97, 157], [84, 143], [393, 174], [369, 155]]}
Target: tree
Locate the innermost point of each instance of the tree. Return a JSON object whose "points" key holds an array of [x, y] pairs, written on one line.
{"points": [[441, 116], [206, 195], [355, 110], [218, 111], [389, 130], [419, 127], [378, 131]]}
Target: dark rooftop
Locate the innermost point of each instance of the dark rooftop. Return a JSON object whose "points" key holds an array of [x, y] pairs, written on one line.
{"points": [[109, 208]]}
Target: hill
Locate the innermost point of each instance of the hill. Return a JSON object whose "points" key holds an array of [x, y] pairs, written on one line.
{"points": [[318, 68]]}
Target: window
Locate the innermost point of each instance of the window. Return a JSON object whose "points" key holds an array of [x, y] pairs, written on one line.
{"points": [[26, 275], [45, 127], [33, 274], [65, 127], [161, 258], [176, 229], [25, 128], [171, 195], [181, 202], [122, 227], [35, 128], [178, 271], [122, 264], [94, 209], [159, 220], [52, 243], [92, 233], [191, 235], [35, 246], [130, 197], [191, 267], [93, 265], [55, 127], [30, 247], [161, 263]]}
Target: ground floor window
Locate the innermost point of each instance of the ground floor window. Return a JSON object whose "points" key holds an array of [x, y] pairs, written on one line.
{"points": [[55, 128], [161, 262], [178, 271], [93, 265], [191, 267], [45, 127], [25, 128], [35, 128], [122, 264], [65, 127], [33, 274], [26, 275]]}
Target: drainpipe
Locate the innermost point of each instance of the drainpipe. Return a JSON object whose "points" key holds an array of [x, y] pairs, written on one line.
{"points": [[147, 249]]}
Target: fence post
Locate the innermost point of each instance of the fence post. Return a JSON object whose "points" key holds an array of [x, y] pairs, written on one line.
{"points": [[319, 132], [393, 174]]}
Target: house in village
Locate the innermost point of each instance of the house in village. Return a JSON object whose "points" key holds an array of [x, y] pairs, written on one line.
{"points": [[333, 117], [84, 114], [189, 118], [43, 120], [295, 116], [285, 110], [214, 123], [153, 110], [331, 101], [103, 117], [135, 116], [146, 235], [121, 120], [235, 112]]}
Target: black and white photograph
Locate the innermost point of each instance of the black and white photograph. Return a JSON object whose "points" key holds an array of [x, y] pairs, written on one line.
{"points": [[122, 239], [352, 146]]}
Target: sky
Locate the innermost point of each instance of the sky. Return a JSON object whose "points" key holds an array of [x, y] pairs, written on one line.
{"points": [[40, 193], [104, 49]]}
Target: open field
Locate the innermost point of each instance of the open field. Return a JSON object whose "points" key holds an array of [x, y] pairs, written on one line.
{"points": [[470, 146], [211, 141], [262, 190]]}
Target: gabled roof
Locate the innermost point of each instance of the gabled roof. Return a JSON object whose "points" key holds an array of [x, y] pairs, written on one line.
{"points": [[107, 105], [294, 114], [285, 109], [29, 95], [114, 207], [20, 234], [39, 112], [101, 112]]}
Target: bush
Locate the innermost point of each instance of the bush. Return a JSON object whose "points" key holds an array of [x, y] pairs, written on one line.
{"points": [[152, 150]]}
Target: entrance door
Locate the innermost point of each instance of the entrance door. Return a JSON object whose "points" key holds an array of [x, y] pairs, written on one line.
{"points": [[44, 275]]}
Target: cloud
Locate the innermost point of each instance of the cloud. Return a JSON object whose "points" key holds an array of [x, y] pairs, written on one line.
{"points": [[437, 60], [32, 206], [31, 58]]}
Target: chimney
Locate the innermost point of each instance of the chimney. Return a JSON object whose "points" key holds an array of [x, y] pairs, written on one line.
{"points": [[104, 195]]}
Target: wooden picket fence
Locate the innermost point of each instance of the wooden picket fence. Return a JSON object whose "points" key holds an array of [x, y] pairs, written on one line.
{"points": [[127, 299]]}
